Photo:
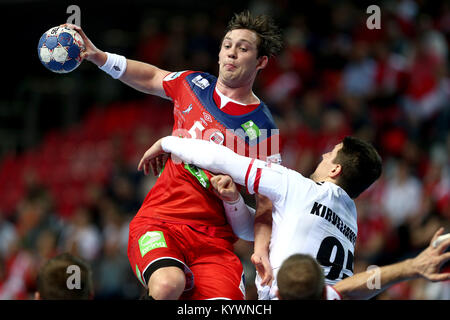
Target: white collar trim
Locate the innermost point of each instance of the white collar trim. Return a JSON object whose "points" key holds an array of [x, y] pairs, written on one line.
{"points": [[224, 99]]}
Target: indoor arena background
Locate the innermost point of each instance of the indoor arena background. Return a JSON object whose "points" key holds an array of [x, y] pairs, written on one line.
{"points": [[70, 144]]}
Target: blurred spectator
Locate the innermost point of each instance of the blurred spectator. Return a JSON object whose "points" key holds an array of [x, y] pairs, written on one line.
{"points": [[152, 42], [359, 74], [17, 272], [77, 190], [402, 196], [372, 230], [8, 236], [81, 237]]}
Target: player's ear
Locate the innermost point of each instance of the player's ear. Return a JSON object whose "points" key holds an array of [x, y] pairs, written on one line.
{"points": [[336, 171], [37, 295], [262, 62]]}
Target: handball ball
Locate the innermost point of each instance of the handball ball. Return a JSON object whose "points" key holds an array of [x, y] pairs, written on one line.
{"points": [[60, 49]]}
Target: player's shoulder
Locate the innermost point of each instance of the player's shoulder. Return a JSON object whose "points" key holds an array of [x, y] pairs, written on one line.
{"points": [[326, 190], [199, 79], [177, 75], [263, 115]]}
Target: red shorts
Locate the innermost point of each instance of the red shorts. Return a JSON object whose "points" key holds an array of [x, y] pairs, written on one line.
{"points": [[212, 269]]}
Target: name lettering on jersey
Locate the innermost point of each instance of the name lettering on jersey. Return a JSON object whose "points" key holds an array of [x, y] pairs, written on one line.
{"points": [[323, 211], [201, 82]]}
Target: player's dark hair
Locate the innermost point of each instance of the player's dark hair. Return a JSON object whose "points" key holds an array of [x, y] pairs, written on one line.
{"points": [[361, 166], [270, 37], [300, 278], [52, 280]]}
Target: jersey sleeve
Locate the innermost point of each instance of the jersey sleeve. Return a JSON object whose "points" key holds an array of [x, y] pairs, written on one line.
{"points": [[172, 82]]}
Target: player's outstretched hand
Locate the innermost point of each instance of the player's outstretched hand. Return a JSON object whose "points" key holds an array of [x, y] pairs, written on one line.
{"points": [[159, 163], [428, 263], [262, 265], [225, 188], [150, 157], [91, 53]]}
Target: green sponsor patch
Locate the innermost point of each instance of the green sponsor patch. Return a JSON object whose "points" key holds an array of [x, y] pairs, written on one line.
{"points": [[251, 129], [151, 240], [162, 169], [138, 274], [199, 174]]}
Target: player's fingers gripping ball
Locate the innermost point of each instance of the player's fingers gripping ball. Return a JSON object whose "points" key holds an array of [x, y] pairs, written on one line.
{"points": [[60, 49], [445, 268]]}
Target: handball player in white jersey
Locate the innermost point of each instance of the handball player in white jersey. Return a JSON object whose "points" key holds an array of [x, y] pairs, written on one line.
{"points": [[314, 216]]}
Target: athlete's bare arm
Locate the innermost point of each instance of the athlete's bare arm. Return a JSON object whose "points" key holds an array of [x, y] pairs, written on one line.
{"points": [[426, 265], [141, 76], [263, 233]]}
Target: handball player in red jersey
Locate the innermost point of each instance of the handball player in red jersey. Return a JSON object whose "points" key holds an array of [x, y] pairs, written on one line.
{"points": [[180, 243]]}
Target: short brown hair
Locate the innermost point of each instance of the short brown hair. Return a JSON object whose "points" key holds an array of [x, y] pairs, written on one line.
{"points": [[270, 38], [300, 278], [361, 166], [53, 276]]}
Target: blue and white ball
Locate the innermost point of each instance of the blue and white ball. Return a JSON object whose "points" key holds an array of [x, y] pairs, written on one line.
{"points": [[60, 49]]}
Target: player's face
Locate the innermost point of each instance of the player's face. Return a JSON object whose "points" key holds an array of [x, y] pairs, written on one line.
{"points": [[325, 167], [238, 58]]}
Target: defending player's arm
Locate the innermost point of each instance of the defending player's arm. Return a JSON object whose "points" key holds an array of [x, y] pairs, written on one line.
{"points": [[239, 215], [219, 159], [260, 256], [426, 265], [247, 223], [138, 75]]}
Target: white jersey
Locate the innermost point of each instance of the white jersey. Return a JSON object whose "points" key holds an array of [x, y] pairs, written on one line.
{"points": [[312, 218], [309, 217]]}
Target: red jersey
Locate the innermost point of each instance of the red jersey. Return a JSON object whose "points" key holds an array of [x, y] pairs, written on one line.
{"points": [[183, 193]]}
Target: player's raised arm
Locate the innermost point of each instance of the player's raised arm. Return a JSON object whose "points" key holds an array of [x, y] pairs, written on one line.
{"points": [[141, 76]]}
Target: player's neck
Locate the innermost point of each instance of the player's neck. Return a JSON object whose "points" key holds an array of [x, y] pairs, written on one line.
{"points": [[323, 179], [242, 94]]}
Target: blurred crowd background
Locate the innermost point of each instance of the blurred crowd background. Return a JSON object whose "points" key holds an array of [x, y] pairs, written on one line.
{"points": [[70, 144]]}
